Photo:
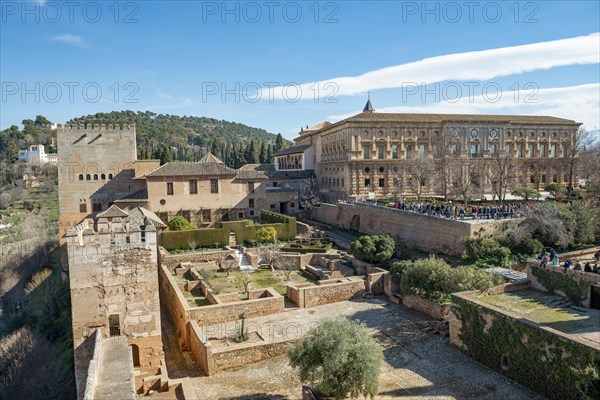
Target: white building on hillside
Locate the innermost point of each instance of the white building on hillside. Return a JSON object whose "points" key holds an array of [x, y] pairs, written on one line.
{"points": [[36, 154]]}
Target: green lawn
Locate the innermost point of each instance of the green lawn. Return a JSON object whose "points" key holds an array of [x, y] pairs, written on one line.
{"points": [[545, 309], [261, 279]]}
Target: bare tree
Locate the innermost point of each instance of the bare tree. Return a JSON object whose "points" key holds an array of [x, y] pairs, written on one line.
{"points": [[308, 194], [286, 265], [420, 172], [573, 149], [446, 162], [228, 264], [588, 167], [464, 183], [500, 170], [244, 280]]}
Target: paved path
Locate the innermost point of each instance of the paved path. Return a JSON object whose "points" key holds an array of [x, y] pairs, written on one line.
{"points": [[419, 363], [116, 371]]}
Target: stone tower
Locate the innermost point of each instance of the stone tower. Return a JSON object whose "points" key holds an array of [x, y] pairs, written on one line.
{"points": [[114, 288], [97, 165]]}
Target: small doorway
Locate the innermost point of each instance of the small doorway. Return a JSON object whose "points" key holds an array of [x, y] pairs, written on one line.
{"points": [[135, 355], [283, 208], [595, 297], [114, 326]]}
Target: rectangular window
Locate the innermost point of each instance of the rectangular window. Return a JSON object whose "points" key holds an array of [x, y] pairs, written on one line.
{"points": [[474, 150], [494, 149], [542, 150], [250, 187], [114, 327], [553, 151], [454, 149], [436, 151], [272, 206], [543, 178], [214, 186], [241, 215], [381, 182], [342, 182], [531, 150], [250, 203], [206, 217], [96, 207], [83, 207], [381, 151], [421, 151], [408, 151], [532, 179], [395, 151], [366, 152], [169, 188], [367, 183], [520, 150], [193, 186]]}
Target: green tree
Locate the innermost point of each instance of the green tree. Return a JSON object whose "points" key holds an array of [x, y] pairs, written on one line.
{"points": [[214, 149], [266, 234], [251, 155], [279, 143], [373, 248], [527, 193], [269, 153], [262, 157], [339, 358], [179, 223]]}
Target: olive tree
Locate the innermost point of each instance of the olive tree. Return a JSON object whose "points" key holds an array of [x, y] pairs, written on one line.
{"points": [[339, 358]]}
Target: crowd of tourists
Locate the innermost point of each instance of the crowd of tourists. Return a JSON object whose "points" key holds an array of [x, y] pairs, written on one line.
{"points": [[455, 212], [570, 266]]}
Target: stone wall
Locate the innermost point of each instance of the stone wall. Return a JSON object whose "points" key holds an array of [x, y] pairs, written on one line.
{"points": [[173, 260], [576, 287], [218, 313], [539, 357], [432, 234], [326, 292], [427, 307]]}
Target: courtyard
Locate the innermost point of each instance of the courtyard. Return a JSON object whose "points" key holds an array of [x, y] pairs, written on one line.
{"points": [[419, 361]]}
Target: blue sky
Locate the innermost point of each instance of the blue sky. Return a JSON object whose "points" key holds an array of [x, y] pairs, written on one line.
{"points": [[262, 63]]}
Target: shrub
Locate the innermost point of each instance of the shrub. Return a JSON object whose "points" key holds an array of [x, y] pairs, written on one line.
{"points": [[266, 234], [399, 268], [526, 193], [373, 248], [486, 252], [340, 359], [433, 279], [179, 223]]}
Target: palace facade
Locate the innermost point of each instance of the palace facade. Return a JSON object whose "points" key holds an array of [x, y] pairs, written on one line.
{"points": [[379, 154]]}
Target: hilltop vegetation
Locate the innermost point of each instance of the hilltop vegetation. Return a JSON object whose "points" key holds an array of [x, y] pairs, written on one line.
{"points": [[171, 137], [165, 137]]}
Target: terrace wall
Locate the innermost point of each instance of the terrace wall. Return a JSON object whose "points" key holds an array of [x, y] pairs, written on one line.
{"points": [[432, 234], [326, 292], [539, 357]]}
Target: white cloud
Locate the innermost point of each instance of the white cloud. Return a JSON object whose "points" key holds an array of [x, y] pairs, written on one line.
{"points": [[474, 65], [580, 103], [70, 39]]}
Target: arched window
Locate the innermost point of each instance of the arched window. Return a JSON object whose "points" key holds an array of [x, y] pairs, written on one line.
{"points": [[80, 177], [95, 177], [88, 177], [110, 176], [103, 176]]}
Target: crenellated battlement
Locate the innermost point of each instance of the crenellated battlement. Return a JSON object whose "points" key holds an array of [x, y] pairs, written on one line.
{"points": [[96, 127], [113, 231]]}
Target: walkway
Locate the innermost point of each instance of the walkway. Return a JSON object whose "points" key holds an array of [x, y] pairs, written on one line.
{"points": [[419, 362], [115, 379]]}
